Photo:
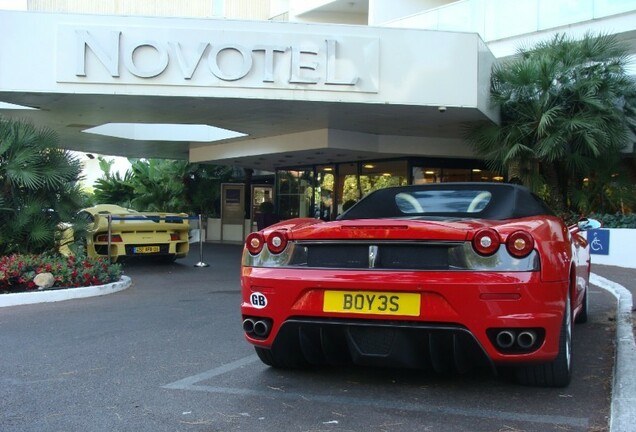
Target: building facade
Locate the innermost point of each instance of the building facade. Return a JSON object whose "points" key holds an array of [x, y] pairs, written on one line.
{"points": [[336, 97]]}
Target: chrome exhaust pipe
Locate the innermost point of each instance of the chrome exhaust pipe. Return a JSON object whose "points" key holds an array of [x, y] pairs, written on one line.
{"points": [[505, 339], [526, 339], [261, 328], [248, 325]]}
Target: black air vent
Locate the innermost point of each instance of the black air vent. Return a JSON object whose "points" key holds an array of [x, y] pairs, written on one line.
{"points": [[338, 256], [390, 256]]}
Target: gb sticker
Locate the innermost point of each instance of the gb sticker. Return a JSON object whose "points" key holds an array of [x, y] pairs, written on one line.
{"points": [[258, 300]]}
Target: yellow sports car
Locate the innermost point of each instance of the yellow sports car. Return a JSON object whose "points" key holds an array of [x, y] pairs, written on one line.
{"points": [[134, 233]]}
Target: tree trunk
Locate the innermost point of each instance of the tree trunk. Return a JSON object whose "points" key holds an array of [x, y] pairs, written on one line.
{"points": [[551, 175], [514, 172]]}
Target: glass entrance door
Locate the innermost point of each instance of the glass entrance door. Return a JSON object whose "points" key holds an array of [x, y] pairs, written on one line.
{"points": [[324, 192], [294, 193]]}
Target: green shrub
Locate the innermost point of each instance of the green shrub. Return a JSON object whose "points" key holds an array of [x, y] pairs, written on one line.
{"points": [[617, 220], [18, 271]]}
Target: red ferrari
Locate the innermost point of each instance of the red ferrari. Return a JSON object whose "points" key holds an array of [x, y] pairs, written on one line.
{"points": [[442, 276]]}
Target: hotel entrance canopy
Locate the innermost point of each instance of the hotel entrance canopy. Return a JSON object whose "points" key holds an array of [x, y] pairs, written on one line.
{"points": [[260, 95]]}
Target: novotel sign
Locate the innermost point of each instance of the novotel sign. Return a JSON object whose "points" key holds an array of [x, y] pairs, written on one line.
{"points": [[217, 58]]}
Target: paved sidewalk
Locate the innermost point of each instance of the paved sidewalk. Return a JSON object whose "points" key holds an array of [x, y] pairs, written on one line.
{"points": [[623, 276], [620, 275], [621, 282]]}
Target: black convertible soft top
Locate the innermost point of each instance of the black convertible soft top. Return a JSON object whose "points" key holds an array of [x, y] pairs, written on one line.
{"points": [[495, 201]]}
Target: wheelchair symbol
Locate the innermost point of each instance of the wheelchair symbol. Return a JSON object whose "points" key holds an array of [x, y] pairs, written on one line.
{"points": [[596, 244]]}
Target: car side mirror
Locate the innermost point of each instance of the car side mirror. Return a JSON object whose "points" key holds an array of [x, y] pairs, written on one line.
{"points": [[588, 224]]}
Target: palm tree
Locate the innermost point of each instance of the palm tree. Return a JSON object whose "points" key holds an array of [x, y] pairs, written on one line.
{"points": [[163, 185], [39, 184], [159, 185], [113, 188], [203, 187], [566, 106]]}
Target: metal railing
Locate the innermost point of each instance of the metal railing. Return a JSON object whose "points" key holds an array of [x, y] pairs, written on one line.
{"points": [[153, 218]]}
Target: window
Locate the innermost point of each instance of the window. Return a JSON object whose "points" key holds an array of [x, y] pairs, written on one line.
{"points": [[294, 193], [380, 175], [426, 175], [442, 201]]}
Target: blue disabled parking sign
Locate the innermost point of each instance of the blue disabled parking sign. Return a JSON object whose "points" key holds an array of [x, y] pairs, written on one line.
{"points": [[599, 240]]}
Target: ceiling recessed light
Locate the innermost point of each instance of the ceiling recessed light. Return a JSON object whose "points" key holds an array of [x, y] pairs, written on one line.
{"points": [[368, 166]]}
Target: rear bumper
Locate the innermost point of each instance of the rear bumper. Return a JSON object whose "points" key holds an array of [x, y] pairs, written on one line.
{"points": [[457, 308], [377, 343], [179, 249]]}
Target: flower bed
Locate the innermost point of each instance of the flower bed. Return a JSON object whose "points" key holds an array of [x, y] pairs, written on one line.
{"points": [[18, 272]]}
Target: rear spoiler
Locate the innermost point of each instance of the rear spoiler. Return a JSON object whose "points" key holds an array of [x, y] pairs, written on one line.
{"points": [[157, 217]]}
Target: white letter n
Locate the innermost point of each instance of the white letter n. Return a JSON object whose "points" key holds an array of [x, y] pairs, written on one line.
{"points": [[109, 57]]}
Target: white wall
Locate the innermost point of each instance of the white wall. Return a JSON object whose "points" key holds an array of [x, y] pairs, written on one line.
{"points": [[621, 249], [329, 11], [405, 67], [381, 11], [297, 7], [278, 7], [233, 234], [507, 25], [190, 8], [331, 17]]}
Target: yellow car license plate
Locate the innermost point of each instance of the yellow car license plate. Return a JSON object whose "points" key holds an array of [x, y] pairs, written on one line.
{"points": [[372, 302], [146, 249]]}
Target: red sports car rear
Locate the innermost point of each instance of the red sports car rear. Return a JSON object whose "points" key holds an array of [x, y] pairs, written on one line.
{"points": [[444, 276]]}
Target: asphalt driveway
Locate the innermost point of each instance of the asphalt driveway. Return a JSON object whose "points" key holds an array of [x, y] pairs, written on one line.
{"points": [[167, 354]]}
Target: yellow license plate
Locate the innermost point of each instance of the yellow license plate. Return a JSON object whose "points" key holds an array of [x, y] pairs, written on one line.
{"points": [[146, 249], [372, 302]]}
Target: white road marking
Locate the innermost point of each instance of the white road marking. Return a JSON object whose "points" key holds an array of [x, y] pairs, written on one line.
{"points": [[191, 384]]}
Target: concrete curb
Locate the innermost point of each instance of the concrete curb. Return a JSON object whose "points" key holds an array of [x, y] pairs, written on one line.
{"points": [[47, 296], [623, 409]]}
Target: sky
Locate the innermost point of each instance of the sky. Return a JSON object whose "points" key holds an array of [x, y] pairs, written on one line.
{"points": [[92, 172]]}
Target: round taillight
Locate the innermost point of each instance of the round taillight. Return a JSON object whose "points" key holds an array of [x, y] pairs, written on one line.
{"points": [[520, 244], [254, 243], [277, 242], [486, 241]]}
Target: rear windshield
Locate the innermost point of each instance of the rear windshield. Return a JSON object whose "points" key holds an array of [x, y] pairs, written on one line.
{"points": [[442, 201]]}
